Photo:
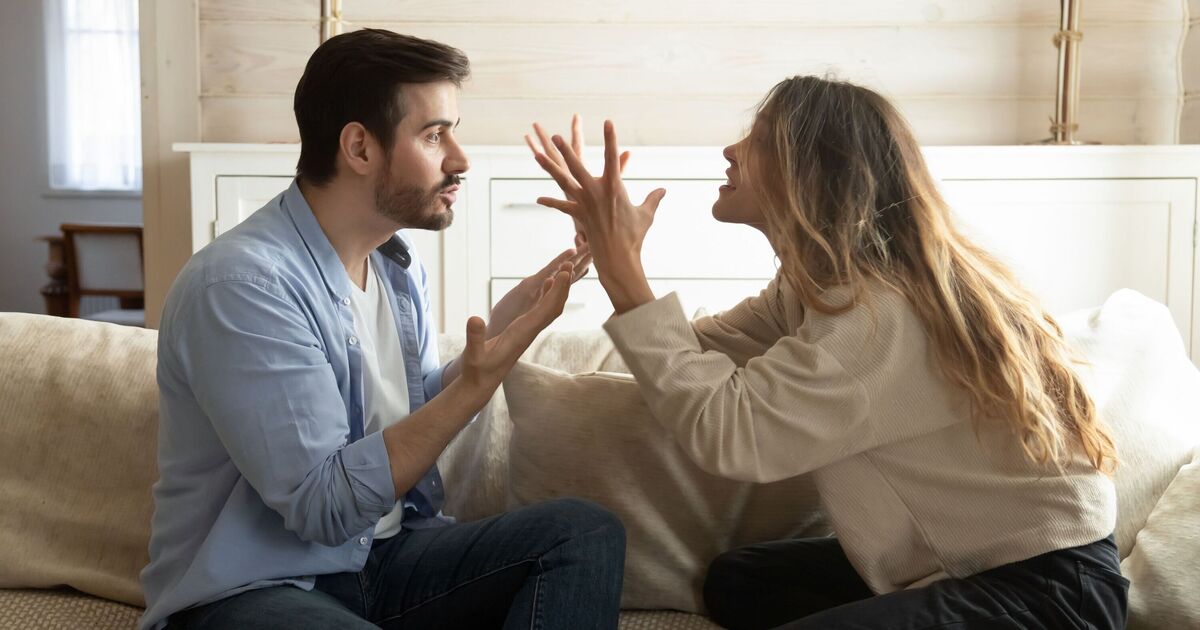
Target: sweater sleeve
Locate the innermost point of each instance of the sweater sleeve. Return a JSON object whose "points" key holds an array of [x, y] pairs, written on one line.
{"points": [[790, 410], [745, 331]]}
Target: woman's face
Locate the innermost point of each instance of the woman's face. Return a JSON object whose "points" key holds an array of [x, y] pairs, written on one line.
{"points": [[736, 202]]}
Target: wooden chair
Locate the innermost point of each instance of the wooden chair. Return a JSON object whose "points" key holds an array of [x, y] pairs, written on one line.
{"points": [[105, 260]]}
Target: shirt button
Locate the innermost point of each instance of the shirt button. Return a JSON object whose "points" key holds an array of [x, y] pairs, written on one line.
{"points": [[346, 301], [362, 541], [353, 340]]}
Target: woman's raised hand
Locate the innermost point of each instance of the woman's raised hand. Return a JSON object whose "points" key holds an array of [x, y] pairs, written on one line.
{"points": [[552, 153], [614, 227]]}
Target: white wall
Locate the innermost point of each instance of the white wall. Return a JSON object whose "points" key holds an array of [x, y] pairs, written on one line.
{"points": [[25, 210]]}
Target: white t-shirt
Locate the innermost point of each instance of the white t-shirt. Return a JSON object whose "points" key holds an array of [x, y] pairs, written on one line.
{"points": [[385, 384]]}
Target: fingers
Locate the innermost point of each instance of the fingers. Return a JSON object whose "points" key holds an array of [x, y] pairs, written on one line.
{"points": [[574, 164], [550, 149], [653, 199], [582, 265], [554, 298], [567, 256], [524, 329], [568, 184], [577, 134], [582, 258], [624, 160], [532, 147], [476, 337], [612, 171], [566, 207]]}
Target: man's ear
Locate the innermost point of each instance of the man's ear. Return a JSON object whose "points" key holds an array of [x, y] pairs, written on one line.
{"points": [[354, 147]]}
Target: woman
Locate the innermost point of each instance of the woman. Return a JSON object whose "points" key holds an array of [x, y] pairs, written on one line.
{"points": [[959, 459]]}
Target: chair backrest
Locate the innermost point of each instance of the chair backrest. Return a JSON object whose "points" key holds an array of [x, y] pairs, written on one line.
{"points": [[102, 259]]}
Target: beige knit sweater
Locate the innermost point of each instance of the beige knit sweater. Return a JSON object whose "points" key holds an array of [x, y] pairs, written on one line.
{"points": [[763, 392]]}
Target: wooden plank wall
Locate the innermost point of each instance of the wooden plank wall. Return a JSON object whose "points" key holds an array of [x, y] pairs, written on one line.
{"points": [[170, 114], [689, 72]]}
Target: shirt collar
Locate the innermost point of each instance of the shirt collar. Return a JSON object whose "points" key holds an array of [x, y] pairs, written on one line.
{"points": [[328, 264]]}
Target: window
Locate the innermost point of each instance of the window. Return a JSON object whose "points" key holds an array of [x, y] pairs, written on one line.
{"points": [[93, 95]]}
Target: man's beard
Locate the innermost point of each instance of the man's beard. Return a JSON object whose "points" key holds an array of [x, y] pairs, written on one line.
{"points": [[413, 207]]}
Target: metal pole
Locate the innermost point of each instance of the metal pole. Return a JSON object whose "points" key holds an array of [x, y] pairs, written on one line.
{"points": [[331, 19], [1066, 103]]}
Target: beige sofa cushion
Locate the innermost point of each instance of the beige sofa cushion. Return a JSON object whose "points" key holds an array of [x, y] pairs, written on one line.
{"points": [[475, 465], [78, 421], [1164, 566], [592, 436]]}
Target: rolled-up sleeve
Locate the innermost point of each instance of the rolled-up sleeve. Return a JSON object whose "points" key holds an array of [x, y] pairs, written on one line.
{"points": [[260, 374]]}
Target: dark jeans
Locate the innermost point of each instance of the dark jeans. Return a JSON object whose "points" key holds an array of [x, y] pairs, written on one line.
{"points": [[808, 583], [553, 565]]}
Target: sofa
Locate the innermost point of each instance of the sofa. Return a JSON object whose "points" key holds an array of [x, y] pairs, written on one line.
{"points": [[78, 417]]}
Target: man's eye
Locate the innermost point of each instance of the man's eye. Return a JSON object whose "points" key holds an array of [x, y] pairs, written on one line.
{"points": [[435, 137]]}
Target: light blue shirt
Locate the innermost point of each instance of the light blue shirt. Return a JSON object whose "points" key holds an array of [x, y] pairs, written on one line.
{"points": [[265, 476]]}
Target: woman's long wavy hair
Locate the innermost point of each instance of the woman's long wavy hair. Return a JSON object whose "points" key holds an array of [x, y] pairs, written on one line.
{"points": [[848, 200]]}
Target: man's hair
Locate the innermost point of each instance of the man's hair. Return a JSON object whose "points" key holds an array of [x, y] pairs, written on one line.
{"points": [[356, 77]]}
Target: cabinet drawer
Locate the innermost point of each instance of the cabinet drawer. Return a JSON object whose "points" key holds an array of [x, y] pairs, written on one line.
{"points": [[685, 241], [588, 305]]}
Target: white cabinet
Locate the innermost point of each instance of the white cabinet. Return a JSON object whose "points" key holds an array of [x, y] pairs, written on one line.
{"points": [[238, 196], [684, 242], [1075, 241], [1074, 223]]}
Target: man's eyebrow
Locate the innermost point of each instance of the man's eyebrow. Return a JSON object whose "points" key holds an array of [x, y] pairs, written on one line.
{"points": [[441, 122]]}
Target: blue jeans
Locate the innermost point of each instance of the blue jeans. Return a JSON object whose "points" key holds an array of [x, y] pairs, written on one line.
{"points": [[809, 584], [553, 565]]}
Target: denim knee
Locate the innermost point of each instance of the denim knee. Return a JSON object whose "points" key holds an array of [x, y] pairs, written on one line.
{"points": [[581, 521]]}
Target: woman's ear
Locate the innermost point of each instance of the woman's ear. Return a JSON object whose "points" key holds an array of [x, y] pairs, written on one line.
{"points": [[354, 148]]}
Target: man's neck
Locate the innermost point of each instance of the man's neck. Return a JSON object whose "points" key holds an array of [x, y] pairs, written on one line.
{"points": [[349, 220]]}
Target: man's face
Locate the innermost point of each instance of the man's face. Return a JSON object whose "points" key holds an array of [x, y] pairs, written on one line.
{"points": [[418, 187]]}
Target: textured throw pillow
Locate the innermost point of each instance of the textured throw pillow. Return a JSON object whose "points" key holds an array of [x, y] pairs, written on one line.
{"points": [[592, 436], [78, 425], [475, 464], [1148, 392], [1164, 567]]}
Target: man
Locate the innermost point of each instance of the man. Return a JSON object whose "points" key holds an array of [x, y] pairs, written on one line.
{"points": [[303, 408]]}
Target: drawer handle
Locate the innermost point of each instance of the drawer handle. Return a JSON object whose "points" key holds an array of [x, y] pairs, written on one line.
{"points": [[524, 205]]}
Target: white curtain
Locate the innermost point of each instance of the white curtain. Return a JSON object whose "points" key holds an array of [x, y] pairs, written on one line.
{"points": [[94, 94]]}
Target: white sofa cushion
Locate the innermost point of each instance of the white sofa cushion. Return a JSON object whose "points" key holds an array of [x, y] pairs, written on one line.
{"points": [[1147, 391], [1164, 566]]}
